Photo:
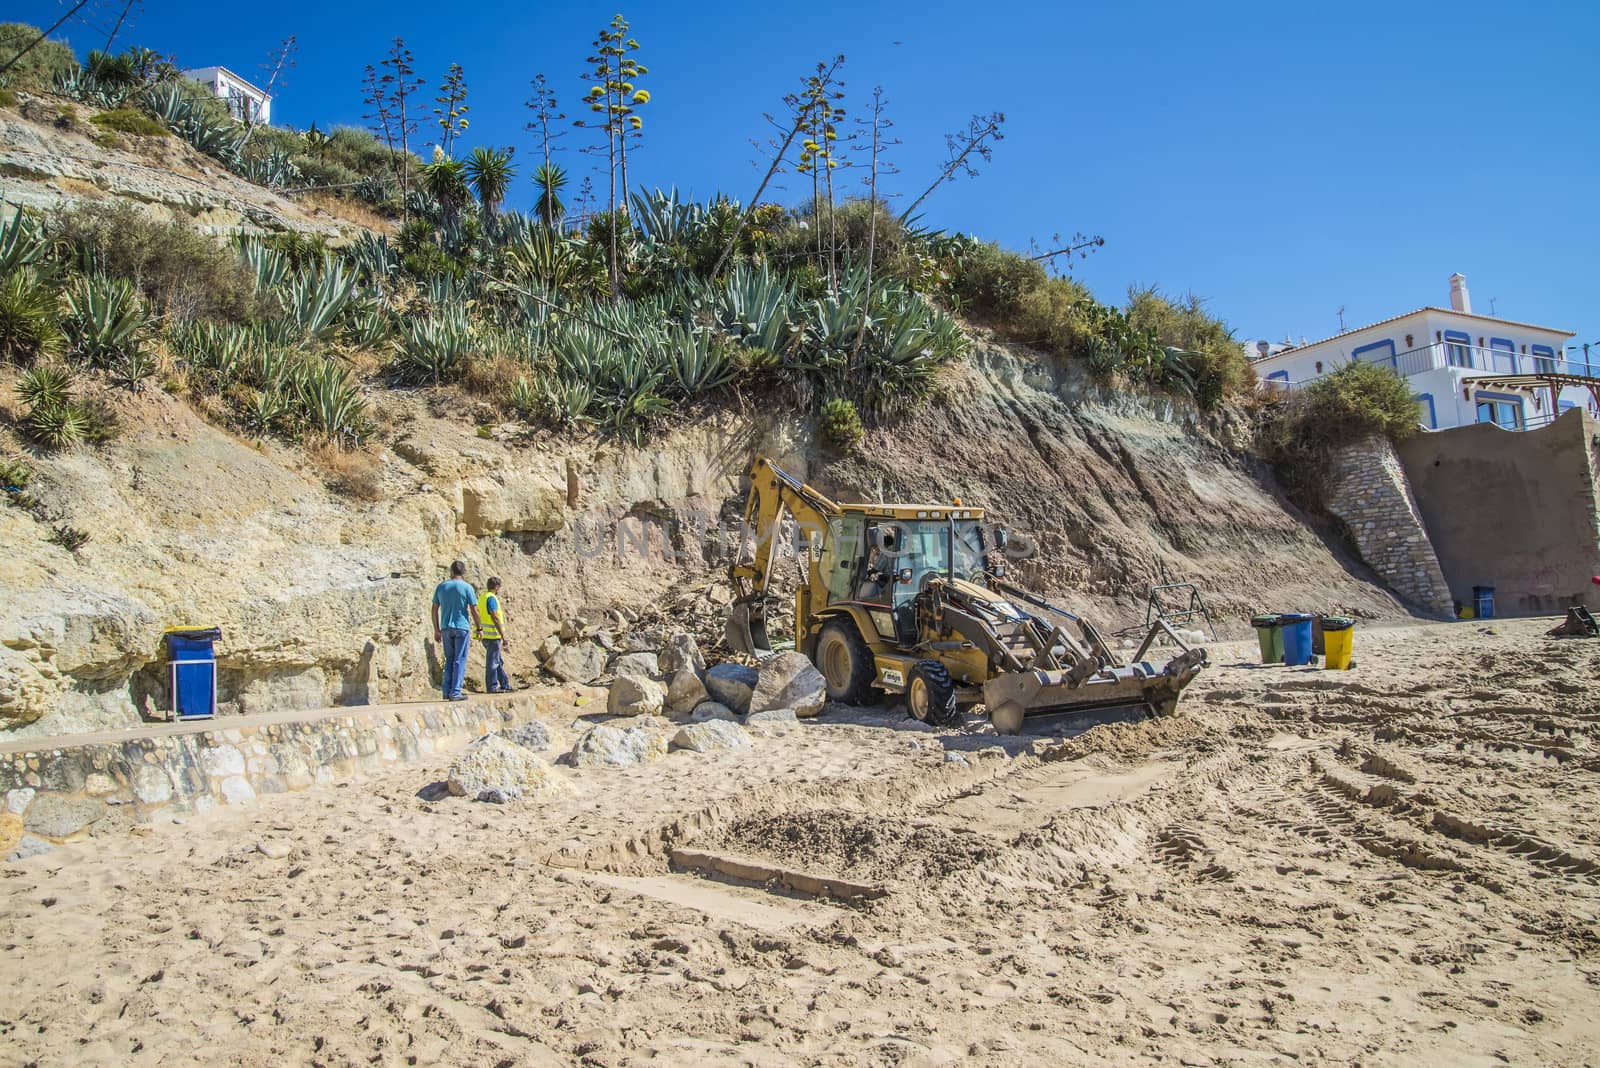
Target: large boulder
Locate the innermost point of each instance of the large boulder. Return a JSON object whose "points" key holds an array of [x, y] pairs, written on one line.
{"points": [[731, 685], [580, 662], [641, 663], [712, 736], [495, 765], [635, 695], [685, 691], [549, 647], [789, 680], [682, 652], [611, 747]]}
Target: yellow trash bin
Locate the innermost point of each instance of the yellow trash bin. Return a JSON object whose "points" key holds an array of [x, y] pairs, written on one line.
{"points": [[1338, 636]]}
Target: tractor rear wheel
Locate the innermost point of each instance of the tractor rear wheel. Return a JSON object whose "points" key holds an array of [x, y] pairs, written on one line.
{"points": [[845, 662], [930, 695]]}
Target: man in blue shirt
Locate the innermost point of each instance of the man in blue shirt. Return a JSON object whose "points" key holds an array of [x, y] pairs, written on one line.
{"points": [[455, 616]]}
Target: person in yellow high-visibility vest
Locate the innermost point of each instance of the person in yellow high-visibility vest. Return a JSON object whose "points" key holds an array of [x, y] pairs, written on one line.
{"points": [[492, 632]]}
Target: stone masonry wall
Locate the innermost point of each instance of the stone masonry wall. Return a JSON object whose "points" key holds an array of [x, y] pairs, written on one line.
{"points": [[52, 795], [1367, 488]]}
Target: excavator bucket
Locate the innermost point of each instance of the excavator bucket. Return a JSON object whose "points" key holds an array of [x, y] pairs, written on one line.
{"points": [[746, 629]]}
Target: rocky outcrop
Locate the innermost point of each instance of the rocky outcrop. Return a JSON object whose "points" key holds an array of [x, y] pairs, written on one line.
{"points": [[685, 691], [49, 163]]}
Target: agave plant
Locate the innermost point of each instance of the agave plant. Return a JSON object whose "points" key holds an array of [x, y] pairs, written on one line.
{"points": [[333, 404], [756, 307], [556, 262], [216, 352], [372, 258], [267, 410], [270, 266], [29, 321], [434, 347], [220, 138], [104, 319], [22, 241], [133, 369], [313, 300], [698, 361], [274, 169]]}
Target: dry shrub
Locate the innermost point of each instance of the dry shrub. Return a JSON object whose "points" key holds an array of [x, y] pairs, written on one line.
{"points": [[356, 474], [347, 208], [492, 377]]}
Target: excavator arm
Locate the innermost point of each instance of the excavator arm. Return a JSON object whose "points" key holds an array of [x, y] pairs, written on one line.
{"points": [[774, 493]]}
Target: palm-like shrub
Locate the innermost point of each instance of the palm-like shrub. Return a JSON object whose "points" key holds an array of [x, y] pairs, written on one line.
{"points": [[46, 387], [29, 321], [104, 319], [445, 180], [55, 419], [550, 179], [490, 171]]}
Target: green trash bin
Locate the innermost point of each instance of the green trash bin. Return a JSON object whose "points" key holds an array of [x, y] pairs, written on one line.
{"points": [[1269, 632]]}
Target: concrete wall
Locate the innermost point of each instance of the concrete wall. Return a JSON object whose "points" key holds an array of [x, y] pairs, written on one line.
{"points": [[106, 786], [1367, 489], [1516, 511]]}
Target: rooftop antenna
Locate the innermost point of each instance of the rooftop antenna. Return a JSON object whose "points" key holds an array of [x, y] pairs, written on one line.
{"points": [[1341, 318], [1491, 304]]}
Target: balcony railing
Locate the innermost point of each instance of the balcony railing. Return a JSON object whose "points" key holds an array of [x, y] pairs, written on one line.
{"points": [[1482, 361]]}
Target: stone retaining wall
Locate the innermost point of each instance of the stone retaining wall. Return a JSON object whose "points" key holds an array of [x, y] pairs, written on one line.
{"points": [[53, 795], [1368, 489]]}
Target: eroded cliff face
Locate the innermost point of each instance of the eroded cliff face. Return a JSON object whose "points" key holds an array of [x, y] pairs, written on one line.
{"points": [[324, 599]]}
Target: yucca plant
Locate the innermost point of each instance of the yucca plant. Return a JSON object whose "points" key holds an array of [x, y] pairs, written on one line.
{"points": [[22, 241], [46, 387], [490, 171], [104, 319], [30, 326], [313, 300]]}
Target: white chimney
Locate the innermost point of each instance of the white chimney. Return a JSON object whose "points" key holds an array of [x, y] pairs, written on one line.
{"points": [[1460, 299]]}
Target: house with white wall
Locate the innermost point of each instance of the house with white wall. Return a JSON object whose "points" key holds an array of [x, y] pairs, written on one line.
{"points": [[246, 101], [1464, 368]]}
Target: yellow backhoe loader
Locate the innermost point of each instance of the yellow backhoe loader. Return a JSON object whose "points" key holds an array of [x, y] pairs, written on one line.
{"points": [[912, 599]]}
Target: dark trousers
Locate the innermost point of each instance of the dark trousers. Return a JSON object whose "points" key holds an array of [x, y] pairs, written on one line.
{"points": [[494, 666]]}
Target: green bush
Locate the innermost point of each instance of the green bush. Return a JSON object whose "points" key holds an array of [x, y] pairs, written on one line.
{"points": [[56, 419], [1216, 361], [1358, 400], [989, 283], [30, 322], [129, 121], [8, 99], [38, 69], [182, 272], [839, 426]]}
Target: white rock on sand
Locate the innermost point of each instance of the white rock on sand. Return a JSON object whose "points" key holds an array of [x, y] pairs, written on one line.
{"points": [[494, 764], [610, 747], [712, 736]]}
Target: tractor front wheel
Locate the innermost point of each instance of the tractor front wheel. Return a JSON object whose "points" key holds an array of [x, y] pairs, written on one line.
{"points": [[931, 696], [845, 662]]}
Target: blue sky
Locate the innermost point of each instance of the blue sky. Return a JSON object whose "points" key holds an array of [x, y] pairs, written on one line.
{"points": [[1279, 159]]}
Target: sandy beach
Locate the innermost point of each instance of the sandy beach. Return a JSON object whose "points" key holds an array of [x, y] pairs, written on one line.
{"points": [[1391, 865]]}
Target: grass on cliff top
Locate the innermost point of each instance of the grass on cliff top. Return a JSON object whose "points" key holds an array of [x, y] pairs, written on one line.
{"points": [[1300, 434]]}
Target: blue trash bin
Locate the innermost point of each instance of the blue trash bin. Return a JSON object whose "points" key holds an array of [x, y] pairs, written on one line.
{"points": [[1296, 638], [1483, 601], [192, 654]]}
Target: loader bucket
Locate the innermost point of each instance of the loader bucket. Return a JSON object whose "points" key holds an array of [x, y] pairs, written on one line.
{"points": [[1015, 696], [746, 629]]}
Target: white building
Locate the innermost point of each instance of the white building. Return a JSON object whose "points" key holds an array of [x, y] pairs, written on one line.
{"points": [[1465, 368], [248, 103]]}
